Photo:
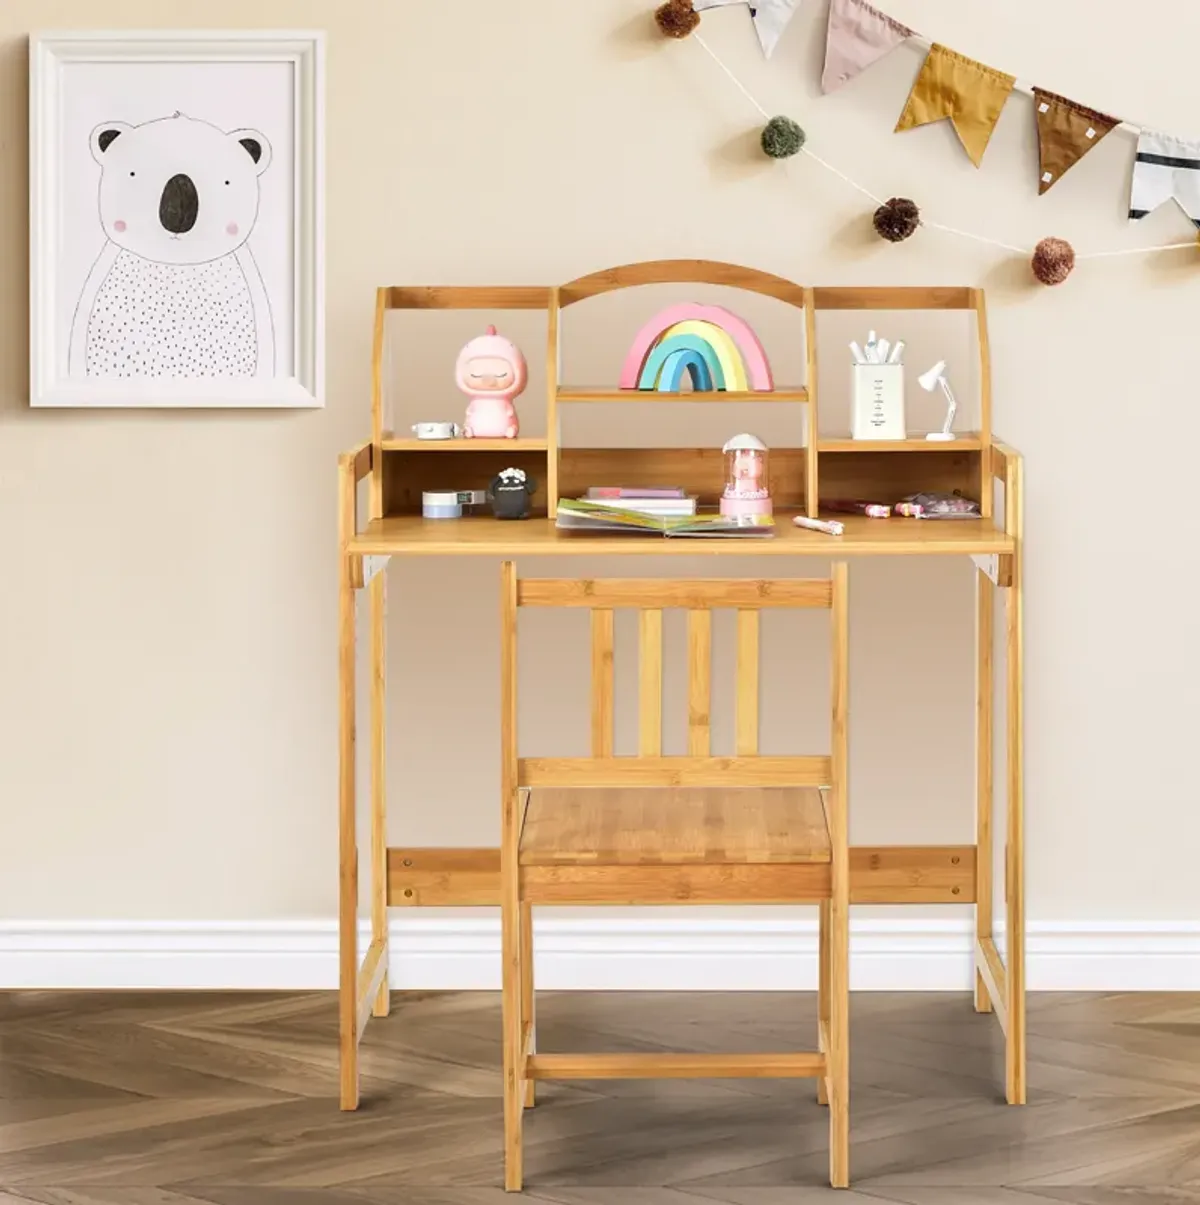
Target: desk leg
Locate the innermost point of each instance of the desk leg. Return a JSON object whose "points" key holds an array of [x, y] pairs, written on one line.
{"points": [[379, 918], [528, 1014], [347, 848], [984, 708], [1015, 848]]}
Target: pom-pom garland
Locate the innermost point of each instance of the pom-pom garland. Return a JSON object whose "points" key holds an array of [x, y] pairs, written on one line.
{"points": [[676, 18], [897, 219], [782, 138], [1053, 259]]}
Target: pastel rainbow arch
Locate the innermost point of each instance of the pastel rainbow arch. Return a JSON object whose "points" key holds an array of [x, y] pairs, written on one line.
{"points": [[729, 353]]}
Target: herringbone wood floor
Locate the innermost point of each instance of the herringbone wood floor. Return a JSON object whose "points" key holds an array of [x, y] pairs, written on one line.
{"points": [[172, 1099]]}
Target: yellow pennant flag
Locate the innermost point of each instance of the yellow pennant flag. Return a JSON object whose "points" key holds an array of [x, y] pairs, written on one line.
{"points": [[970, 94]]}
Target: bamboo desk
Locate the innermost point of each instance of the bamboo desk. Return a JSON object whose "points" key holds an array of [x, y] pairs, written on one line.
{"points": [[403, 877]]}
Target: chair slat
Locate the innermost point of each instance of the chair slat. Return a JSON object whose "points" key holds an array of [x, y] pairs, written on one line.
{"points": [[699, 682], [655, 592], [746, 720], [602, 683], [650, 683], [803, 770], [799, 1065]]}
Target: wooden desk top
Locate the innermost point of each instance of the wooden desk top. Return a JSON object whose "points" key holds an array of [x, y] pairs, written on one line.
{"points": [[412, 535]]}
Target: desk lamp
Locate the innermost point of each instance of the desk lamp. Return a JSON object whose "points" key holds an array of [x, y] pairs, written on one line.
{"points": [[929, 381]]}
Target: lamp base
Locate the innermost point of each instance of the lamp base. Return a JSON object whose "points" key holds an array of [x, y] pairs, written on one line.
{"points": [[941, 436]]}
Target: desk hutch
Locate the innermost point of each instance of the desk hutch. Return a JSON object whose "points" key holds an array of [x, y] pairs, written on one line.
{"points": [[399, 469]]}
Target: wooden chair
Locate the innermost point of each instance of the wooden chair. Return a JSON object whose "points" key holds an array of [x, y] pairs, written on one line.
{"points": [[697, 829]]}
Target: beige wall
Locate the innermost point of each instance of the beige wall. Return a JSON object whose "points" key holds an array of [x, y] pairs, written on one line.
{"points": [[167, 598]]}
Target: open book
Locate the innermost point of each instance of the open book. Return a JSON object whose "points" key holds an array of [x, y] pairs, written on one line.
{"points": [[581, 515]]}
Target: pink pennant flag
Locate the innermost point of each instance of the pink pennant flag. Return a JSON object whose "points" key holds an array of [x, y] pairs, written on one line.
{"points": [[858, 35]]}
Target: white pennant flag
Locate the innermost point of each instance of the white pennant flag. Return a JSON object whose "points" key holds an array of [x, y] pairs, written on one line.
{"points": [[770, 17]]}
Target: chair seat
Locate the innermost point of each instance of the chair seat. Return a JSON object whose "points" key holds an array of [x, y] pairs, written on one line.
{"points": [[664, 826]]}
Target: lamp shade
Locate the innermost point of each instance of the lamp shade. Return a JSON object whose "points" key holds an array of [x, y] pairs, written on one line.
{"points": [[929, 379]]}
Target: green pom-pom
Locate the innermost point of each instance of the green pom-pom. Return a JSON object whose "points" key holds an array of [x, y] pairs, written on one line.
{"points": [[782, 138]]}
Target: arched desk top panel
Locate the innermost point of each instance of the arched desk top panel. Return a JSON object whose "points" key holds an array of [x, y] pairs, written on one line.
{"points": [[677, 271], [681, 271]]}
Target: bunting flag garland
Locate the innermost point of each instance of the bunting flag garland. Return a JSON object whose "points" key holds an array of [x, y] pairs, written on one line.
{"points": [[1066, 132], [858, 35], [1166, 168], [970, 94], [770, 18]]}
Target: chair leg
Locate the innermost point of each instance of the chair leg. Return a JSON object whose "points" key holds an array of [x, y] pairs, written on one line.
{"points": [[528, 1015], [511, 1024], [839, 1042], [823, 994]]}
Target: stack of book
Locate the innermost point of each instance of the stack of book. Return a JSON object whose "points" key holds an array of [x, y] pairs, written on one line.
{"points": [[666, 501], [662, 510]]}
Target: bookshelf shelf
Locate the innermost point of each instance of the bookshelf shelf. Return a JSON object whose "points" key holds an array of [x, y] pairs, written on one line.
{"points": [[465, 445], [965, 442], [574, 393]]}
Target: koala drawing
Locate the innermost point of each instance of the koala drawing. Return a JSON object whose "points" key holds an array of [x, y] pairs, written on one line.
{"points": [[176, 291]]}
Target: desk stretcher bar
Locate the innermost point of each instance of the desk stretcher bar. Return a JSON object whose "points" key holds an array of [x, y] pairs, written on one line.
{"points": [[879, 874]]}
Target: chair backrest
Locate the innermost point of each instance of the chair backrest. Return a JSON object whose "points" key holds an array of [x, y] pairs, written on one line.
{"points": [[649, 597]]}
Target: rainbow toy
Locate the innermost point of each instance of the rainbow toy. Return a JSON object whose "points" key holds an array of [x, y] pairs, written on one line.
{"points": [[716, 349]]}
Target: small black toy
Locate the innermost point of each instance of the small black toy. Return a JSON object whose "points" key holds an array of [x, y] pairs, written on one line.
{"points": [[511, 493]]}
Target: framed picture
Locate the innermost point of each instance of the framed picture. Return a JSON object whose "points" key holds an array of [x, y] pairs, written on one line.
{"points": [[176, 214]]}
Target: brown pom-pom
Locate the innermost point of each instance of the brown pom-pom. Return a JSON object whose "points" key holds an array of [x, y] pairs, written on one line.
{"points": [[676, 18], [897, 219], [1053, 259]]}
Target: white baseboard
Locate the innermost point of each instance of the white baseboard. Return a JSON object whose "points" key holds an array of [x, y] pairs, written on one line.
{"points": [[462, 952]]}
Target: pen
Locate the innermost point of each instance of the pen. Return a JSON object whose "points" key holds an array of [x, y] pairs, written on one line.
{"points": [[831, 527], [852, 506]]}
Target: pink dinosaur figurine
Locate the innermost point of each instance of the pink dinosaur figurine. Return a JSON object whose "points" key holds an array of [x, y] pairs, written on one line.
{"points": [[491, 372]]}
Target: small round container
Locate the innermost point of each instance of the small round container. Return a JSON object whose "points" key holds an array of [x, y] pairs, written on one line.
{"points": [[441, 504], [747, 478]]}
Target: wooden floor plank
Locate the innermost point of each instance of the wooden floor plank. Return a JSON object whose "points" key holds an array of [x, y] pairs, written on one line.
{"points": [[230, 1099]]}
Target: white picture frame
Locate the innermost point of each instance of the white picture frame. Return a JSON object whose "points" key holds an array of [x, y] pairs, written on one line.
{"points": [[168, 312]]}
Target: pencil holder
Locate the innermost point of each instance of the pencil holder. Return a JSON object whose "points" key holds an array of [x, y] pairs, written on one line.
{"points": [[878, 410]]}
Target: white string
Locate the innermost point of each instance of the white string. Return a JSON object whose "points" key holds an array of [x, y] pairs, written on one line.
{"points": [[841, 175], [1136, 250], [979, 238], [737, 83], [866, 192]]}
